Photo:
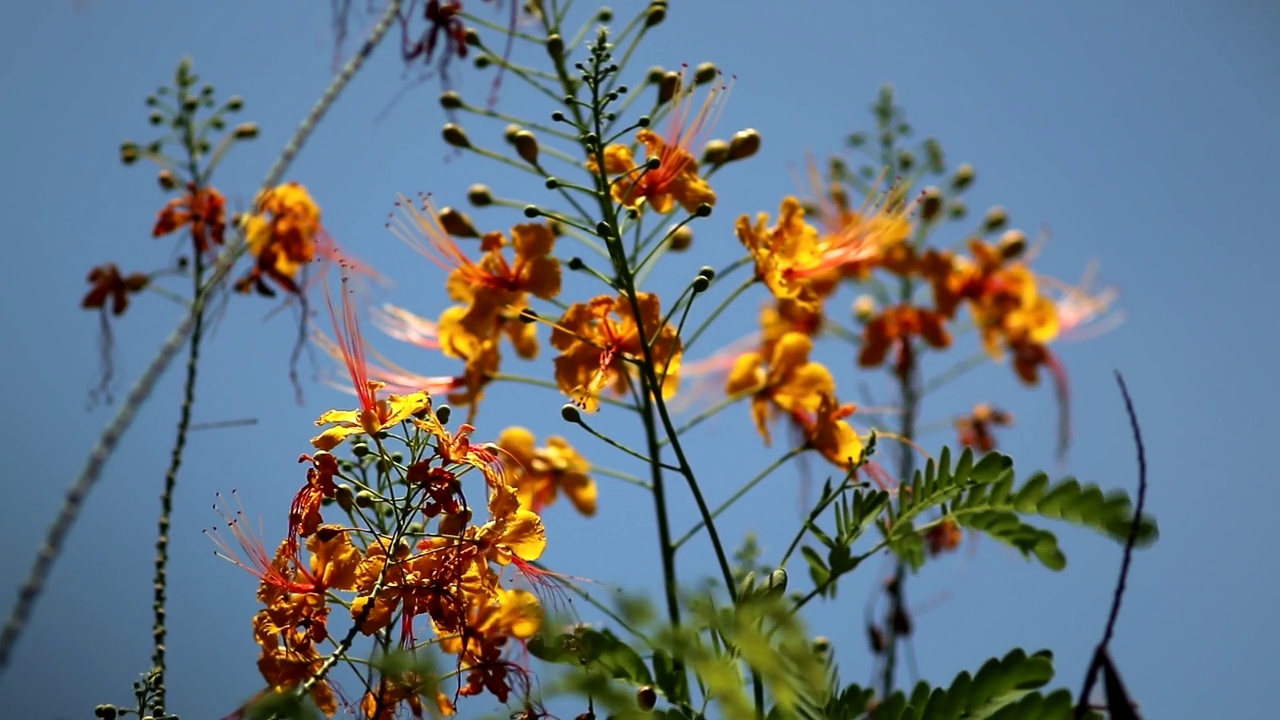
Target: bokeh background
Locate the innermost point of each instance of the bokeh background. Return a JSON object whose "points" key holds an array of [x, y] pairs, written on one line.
{"points": [[1140, 134]]}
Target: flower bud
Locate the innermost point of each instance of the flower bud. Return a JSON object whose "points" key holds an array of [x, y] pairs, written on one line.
{"points": [[346, 497], [776, 585], [654, 75], [450, 100], [957, 210], [963, 177], [456, 136], [156, 117], [509, 132], [716, 152], [555, 46], [930, 203], [906, 160], [457, 224], [235, 104], [167, 180], [106, 712], [995, 219], [748, 584], [656, 13], [1012, 243], [479, 195], [700, 284], [129, 153], [364, 499], [744, 144], [822, 644], [864, 307], [570, 413], [443, 413], [668, 86], [705, 73], [471, 37], [707, 272], [246, 131], [526, 146], [646, 697], [681, 238]]}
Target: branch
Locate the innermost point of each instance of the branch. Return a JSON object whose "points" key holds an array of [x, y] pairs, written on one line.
{"points": [[1100, 654]]}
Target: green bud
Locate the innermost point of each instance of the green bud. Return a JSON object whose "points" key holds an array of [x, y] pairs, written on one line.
{"points": [[964, 177], [450, 100], [246, 131], [656, 13], [365, 499], [646, 698], [995, 219], [957, 209], [555, 46], [455, 136], [654, 75], [930, 203], [744, 144], [360, 449], [526, 146], [442, 414], [456, 223], [681, 238], [235, 104], [345, 497], [700, 284], [667, 87], [705, 73], [129, 153], [716, 152], [479, 195], [570, 413]]}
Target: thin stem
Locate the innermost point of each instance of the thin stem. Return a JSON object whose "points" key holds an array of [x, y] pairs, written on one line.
{"points": [[719, 309], [746, 487], [619, 475], [31, 588], [160, 581]]}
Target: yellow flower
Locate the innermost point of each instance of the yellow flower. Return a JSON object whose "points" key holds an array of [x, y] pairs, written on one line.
{"points": [[676, 178], [539, 473], [281, 234], [594, 346], [792, 383], [493, 290], [374, 414]]}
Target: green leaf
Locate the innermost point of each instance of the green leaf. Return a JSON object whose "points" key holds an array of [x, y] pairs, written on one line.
{"points": [[674, 685]]}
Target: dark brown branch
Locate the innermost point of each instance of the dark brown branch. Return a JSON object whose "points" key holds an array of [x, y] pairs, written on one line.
{"points": [[1100, 654]]}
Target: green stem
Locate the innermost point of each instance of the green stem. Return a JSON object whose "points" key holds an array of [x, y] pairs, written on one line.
{"points": [[719, 309]]}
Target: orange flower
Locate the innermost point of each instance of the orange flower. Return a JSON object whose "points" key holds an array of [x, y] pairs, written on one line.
{"points": [[539, 473], [492, 290], [943, 537], [793, 383], [373, 415], [204, 210], [108, 284], [827, 431], [282, 236], [976, 430], [285, 665], [675, 179], [894, 327], [595, 347]]}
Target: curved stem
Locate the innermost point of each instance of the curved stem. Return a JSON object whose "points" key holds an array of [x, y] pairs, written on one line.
{"points": [[746, 487]]}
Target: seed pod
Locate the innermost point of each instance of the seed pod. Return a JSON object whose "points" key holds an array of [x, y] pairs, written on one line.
{"points": [[716, 152], [526, 146]]}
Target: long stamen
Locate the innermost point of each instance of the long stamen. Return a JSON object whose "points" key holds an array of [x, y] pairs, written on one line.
{"points": [[422, 230], [351, 344]]}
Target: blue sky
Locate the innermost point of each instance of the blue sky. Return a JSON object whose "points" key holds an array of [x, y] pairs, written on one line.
{"points": [[1141, 136]]}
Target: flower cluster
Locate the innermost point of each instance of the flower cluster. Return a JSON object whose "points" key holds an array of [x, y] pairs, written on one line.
{"points": [[415, 561]]}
